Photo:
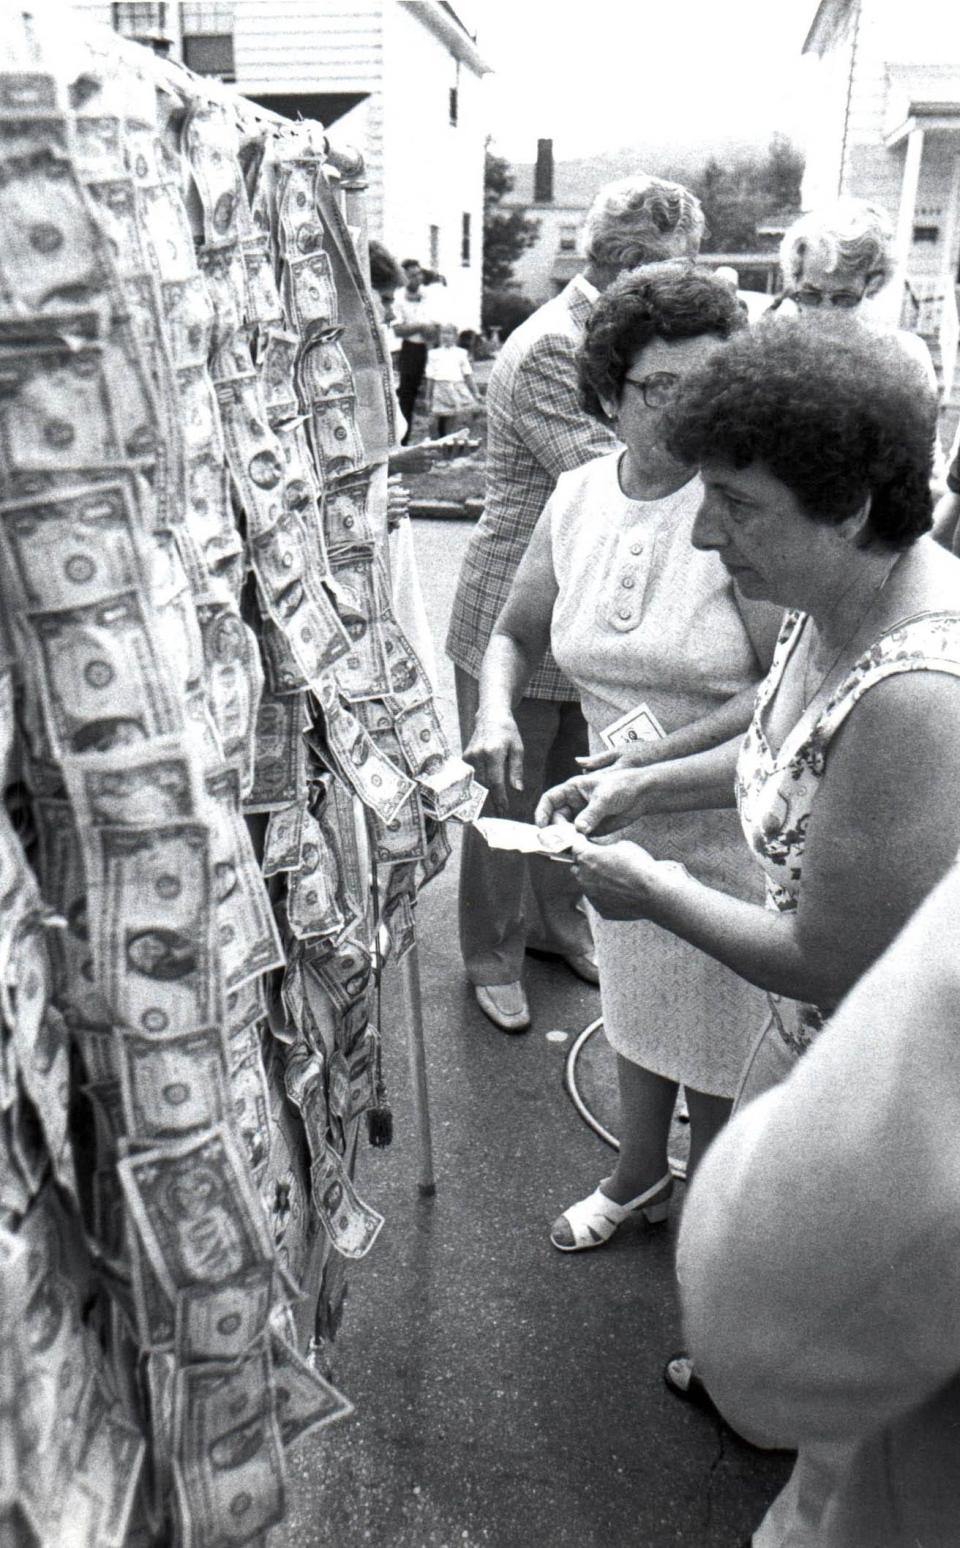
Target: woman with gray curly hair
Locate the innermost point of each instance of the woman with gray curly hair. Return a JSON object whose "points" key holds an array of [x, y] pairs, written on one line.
{"points": [[836, 259], [640, 220], [837, 255]]}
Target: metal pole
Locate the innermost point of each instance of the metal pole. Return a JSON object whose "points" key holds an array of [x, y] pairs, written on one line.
{"points": [[410, 977]]}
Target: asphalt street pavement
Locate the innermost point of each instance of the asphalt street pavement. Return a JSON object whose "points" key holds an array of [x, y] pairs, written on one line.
{"points": [[506, 1395]]}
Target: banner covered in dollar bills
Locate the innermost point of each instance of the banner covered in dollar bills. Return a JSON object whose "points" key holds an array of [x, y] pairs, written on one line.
{"points": [[224, 781]]}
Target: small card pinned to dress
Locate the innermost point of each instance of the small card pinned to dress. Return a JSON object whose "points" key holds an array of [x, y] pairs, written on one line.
{"points": [[526, 839], [637, 725]]}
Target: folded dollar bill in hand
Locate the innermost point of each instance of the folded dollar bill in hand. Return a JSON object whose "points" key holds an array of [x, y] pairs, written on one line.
{"points": [[525, 839]]}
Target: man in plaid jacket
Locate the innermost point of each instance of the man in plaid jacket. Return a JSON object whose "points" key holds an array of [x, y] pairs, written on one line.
{"points": [[537, 430]]}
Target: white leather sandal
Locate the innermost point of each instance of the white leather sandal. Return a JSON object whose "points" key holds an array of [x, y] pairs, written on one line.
{"points": [[594, 1220]]}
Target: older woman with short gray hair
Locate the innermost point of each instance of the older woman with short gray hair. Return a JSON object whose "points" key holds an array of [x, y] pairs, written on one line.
{"points": [[837, 255], [641, 220]]}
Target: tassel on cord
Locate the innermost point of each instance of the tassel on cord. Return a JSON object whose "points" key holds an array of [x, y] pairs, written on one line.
{"points": [[380, 1117]]}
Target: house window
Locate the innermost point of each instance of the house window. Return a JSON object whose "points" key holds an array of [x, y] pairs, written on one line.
{"points": [[208, 40], [926, 233], [454, 96], [465, 239], [140, 22], [568, 239], [434, 247]]}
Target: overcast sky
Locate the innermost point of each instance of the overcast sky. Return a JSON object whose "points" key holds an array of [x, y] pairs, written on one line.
{"points": [[594, 75]]}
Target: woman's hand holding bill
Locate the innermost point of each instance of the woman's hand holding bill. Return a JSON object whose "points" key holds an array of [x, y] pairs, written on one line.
{"points": [[495, 752], [621, 880], [597, 804]]}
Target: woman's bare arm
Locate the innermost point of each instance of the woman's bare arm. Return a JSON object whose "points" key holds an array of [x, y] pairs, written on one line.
{"points": [[884, 830], [518, 642]]}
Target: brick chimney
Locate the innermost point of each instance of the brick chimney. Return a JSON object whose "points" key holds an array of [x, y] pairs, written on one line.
{"points": [[543, 173]]}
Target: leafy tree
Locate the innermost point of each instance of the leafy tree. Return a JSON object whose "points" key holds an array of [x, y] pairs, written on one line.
{"points": [[506, 310], [781, 174], [737, 195], [506, 233]]}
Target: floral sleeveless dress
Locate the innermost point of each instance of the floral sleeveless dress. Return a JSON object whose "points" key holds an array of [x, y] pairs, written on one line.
{"points": [[775, 797]]}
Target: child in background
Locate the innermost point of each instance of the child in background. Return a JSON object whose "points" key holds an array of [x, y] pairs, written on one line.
{"points": [[452, 399]]}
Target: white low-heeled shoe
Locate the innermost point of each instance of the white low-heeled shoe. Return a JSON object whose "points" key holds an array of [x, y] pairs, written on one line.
{"points": [[594, 1220]]}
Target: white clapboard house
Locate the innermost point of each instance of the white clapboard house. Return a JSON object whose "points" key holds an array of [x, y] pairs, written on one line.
{"points": [[884, 124], [399, 79]]}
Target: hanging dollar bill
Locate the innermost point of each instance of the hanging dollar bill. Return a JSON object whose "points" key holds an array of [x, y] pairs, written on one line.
{"points": [[295, 598], [447, 787], [263, 305], [40, 1040], [438, 852], [229, 1462], [76, 547], [251, 1108], [309, 293], [152, 782], [154, 925], [304, 1400], [284, 840], [188, 316], [425, 747], [167, 227], [280, 778], [51, 253], [115, 204], [313, 887], [221, 1322], [173, 1084], [351, 1225], [104, 675], [404, 836], [324, 370], [276, 365], [336, 439], [246, 930], [234, 681], [409, 683], [379, 783], [255, 458], [296, 196], [347, 517], [195, 1210], [63, 409], [107, 1472], [210, 141], [223, 272], [363, 671]]}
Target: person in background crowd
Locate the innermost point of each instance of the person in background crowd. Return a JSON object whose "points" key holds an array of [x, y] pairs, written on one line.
{"points": [[814, 450], [946, 517], [839, 257], [537, 430], [415, 327], [636, 613], [819, 1259], [385, 280], [451, 391]]}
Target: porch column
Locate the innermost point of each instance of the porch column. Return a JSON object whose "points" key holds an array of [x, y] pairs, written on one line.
{"points": [[908, 197], [948, 276]]}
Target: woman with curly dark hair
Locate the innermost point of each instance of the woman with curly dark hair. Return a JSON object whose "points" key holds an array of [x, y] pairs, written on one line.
{"points": [[814, 450], [642, 622]]}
